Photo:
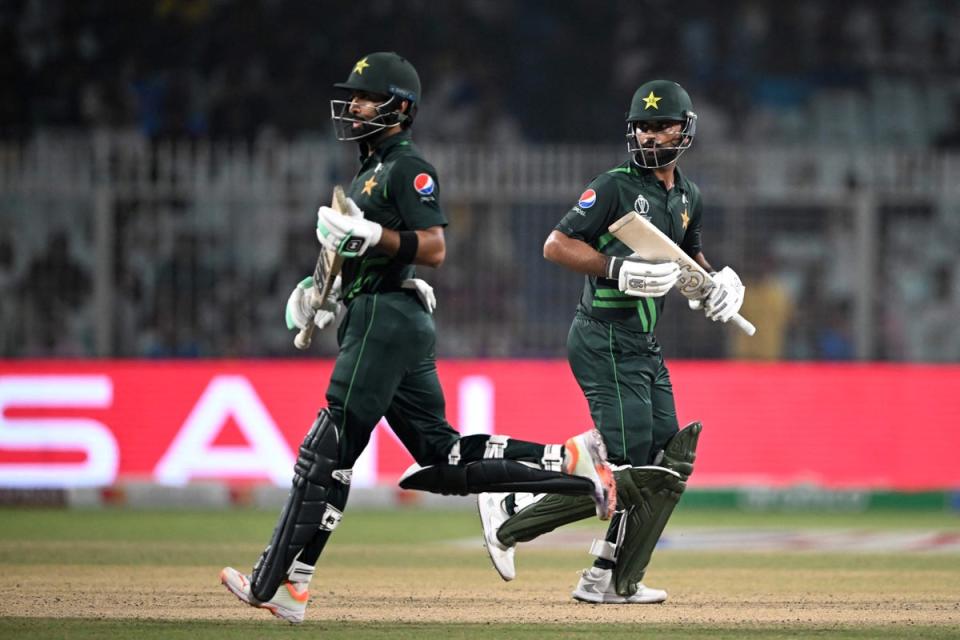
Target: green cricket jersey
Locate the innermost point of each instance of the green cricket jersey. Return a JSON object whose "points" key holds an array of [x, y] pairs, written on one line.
{"points": [[397, 188], [607, 198]]}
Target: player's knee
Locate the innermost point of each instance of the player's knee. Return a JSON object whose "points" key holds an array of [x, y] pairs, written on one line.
{"points": [[319, 452]]}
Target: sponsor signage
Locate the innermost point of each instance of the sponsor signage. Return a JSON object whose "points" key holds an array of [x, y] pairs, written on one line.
{"points": [[76, 423]]}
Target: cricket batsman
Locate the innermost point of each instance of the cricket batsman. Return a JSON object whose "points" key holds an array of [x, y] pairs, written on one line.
{"points": [[615, 356], [386, 365]]}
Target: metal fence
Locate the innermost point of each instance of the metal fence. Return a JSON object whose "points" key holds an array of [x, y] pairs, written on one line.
{"points": [[115, 246]]}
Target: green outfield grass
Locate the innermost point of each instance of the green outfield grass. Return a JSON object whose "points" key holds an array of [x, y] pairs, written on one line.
{"points": [[391, 545], [101, 629]]}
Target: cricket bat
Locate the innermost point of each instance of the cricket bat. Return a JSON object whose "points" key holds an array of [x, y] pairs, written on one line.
{"points": [[646, 240], [328, 267]]}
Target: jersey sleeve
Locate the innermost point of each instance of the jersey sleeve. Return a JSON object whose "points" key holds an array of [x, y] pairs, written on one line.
{"points": [[692, 244], [590, 216], [415, 190]]}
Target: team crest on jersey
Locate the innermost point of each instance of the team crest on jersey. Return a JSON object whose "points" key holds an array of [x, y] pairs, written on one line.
{"points": [[424, 184], [642, 206], [587, 199]]}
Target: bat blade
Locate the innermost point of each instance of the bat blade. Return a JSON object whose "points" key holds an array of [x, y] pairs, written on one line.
{"points": [[325, 273], [645, 239]]}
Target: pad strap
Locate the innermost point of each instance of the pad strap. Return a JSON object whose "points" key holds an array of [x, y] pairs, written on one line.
{"points": [[603, 549], [496, 445], [552, 457], [300, 572], [453, 458]]}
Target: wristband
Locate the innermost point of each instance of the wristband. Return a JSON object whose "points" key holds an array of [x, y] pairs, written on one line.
{"points": [[409, 243], [613, 267]]}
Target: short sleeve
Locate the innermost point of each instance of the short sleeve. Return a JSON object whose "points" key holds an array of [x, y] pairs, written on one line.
{"points": [[415, 190], [590, 216]]}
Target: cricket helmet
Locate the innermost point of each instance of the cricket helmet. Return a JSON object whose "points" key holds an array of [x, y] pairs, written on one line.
{"points": [[660, 101], [385, 74]]}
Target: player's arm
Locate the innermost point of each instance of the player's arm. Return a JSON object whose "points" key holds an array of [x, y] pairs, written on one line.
{"points": [[633, 276], [702, 261], [431, 245], [725, 299], [574, 254]]}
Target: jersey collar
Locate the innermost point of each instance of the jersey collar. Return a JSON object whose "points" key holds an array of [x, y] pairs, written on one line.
{"points": [[382, 150]]}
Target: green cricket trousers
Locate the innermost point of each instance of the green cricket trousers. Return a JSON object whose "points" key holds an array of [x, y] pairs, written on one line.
{"points": [[627, 386], [387, 367]]}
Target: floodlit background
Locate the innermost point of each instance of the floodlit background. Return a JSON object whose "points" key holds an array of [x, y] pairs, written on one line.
{"points": [[161, 163]]}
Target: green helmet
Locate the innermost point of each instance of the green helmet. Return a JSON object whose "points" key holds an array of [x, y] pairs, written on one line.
{"points": [[660, 101], [386, 74]]}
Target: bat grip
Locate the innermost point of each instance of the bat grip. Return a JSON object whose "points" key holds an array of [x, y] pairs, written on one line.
{"points": [[745, 325], [304, 336]]}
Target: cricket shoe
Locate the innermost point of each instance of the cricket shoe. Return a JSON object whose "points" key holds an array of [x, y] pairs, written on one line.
{"points": [[586, 456], [596, 586], [492, 516], [288, 603]]}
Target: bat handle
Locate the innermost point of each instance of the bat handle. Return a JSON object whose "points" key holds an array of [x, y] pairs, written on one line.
{"points": [[745, 325], [304, 336]]}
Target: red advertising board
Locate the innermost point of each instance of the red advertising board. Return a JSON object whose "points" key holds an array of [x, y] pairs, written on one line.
{"points": [[76, 423]]}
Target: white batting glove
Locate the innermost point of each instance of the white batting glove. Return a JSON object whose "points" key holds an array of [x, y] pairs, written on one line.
{"points": [[348, 234], [424, 292], [300, 310], [643, 279], [725, 299]]}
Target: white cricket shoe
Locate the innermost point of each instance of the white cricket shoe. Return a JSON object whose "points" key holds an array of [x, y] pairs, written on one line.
{"points": [[586, 456], [596, 586], [492, 515], [289, 603]]}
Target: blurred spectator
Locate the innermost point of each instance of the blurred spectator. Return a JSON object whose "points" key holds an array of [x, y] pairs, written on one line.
{"points": [[185, 286], [936, 338], [767, 305], [834, 341], [54, 287]]}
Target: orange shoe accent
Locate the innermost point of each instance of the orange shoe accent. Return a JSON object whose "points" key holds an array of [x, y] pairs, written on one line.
{"points": [[606, 476], [574, 454], [299, 596]]}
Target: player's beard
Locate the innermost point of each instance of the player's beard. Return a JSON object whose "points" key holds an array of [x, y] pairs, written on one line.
{"points": [[348, 126], [655, 157]]}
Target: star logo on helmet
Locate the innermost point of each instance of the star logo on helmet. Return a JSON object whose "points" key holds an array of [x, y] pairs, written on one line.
{"points": [[651, 101], [360, 66]]}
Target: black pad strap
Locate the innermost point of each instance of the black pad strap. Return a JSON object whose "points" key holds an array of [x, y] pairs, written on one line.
{"points": [[305, 512], [498, 475]]}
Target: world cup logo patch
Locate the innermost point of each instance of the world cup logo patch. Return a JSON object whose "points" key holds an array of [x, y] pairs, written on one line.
{"points": [[423, 184], [642, 206]]}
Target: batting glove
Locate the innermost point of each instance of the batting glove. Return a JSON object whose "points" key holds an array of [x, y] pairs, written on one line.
{"points": [[300, 308], [643, 279], [349, 234], [424, 292], [725, 299]]}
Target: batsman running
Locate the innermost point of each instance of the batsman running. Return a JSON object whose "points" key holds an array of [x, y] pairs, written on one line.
{"points": [[386, 365], [615, 356]]}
